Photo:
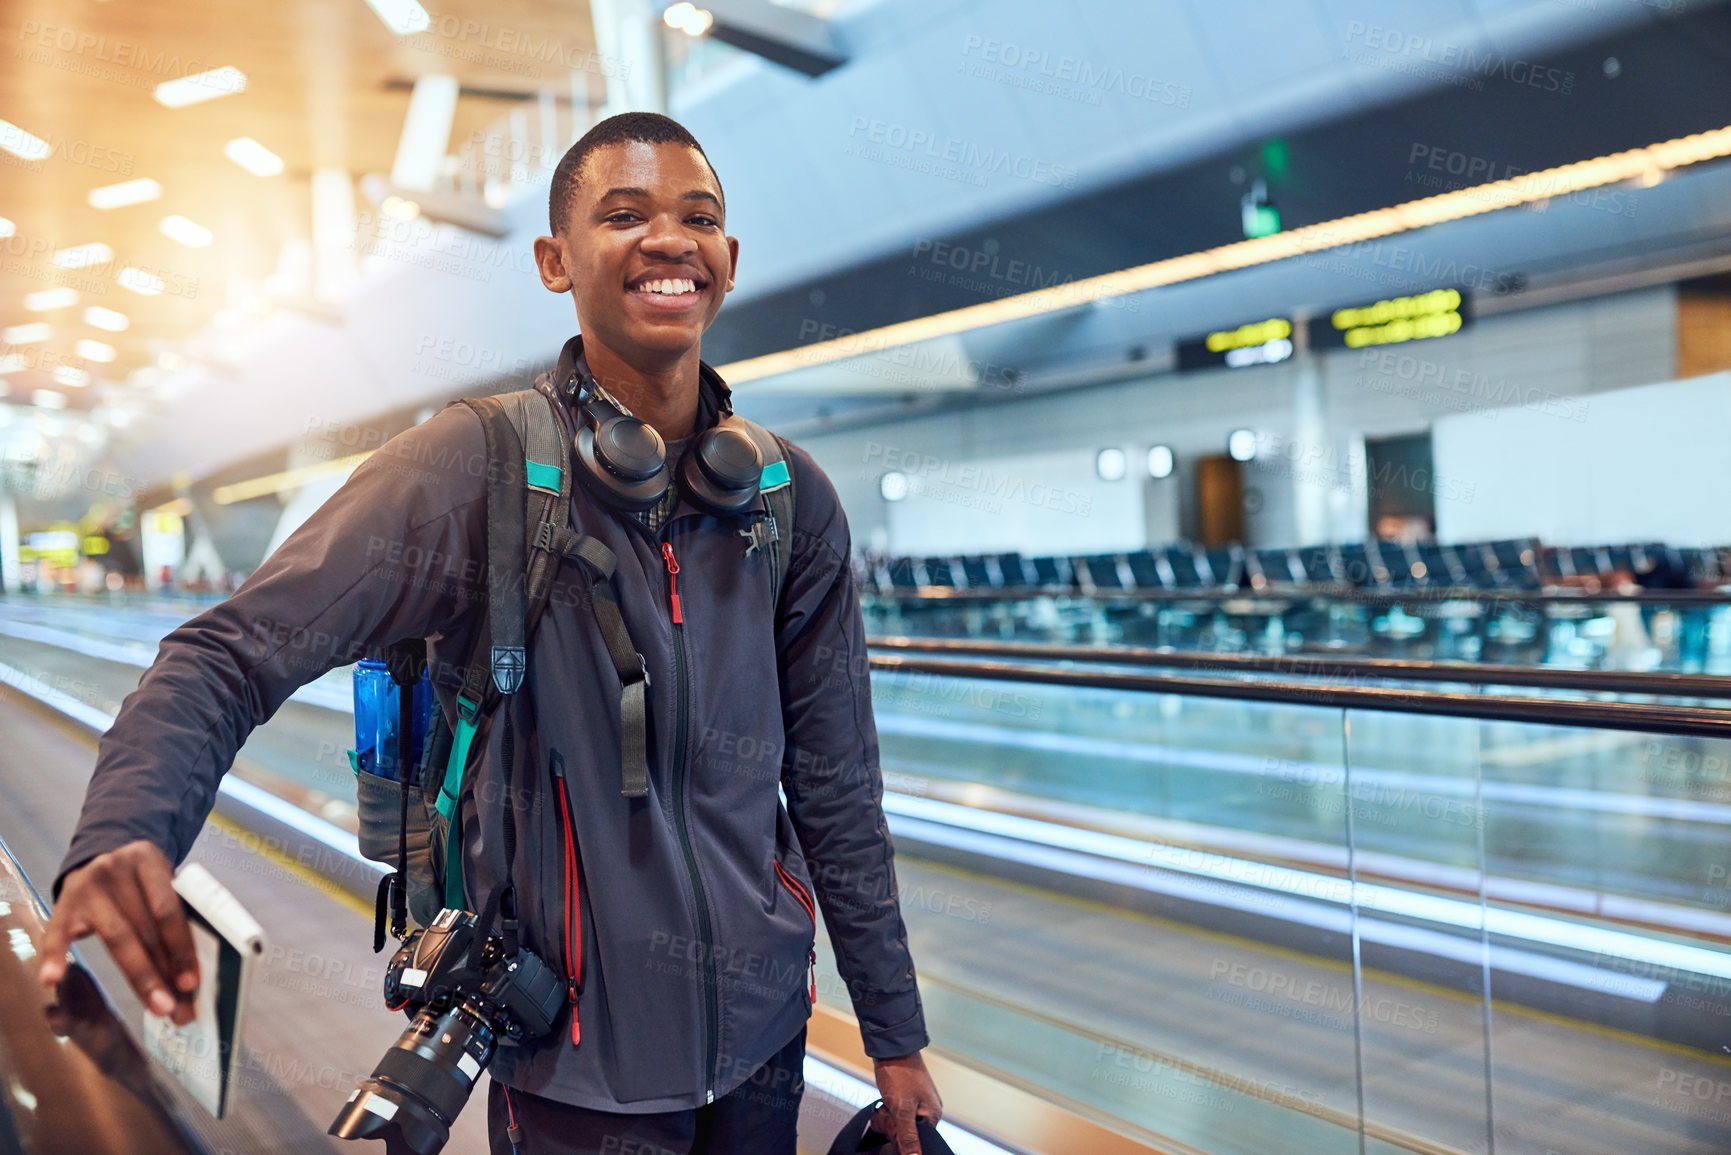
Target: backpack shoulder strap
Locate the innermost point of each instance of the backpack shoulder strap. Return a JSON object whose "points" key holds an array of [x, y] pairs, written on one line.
{"points": [[547, 505], [777, 489]]}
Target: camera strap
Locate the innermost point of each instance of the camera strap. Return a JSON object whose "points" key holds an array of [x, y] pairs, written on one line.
{"points": [[503, 899], [406, 660]]}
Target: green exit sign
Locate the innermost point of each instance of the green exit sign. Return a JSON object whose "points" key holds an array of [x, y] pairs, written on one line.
{"points": [[1261, 221]]}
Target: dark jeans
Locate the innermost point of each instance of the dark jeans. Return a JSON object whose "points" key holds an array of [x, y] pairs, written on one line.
{"points": [[760, 1117]]}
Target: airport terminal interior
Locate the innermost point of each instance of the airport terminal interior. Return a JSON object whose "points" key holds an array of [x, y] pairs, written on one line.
{"points": [[1284, 447]]}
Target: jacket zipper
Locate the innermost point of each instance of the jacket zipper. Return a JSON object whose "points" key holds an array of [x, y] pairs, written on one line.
{"points": [[811, 909], [711, 982], [573, 899]]}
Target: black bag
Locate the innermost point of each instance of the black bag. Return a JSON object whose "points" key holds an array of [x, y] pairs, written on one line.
{"points": [[859, 1138]]}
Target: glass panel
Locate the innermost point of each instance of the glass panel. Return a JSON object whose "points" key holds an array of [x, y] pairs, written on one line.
{"points": [[1134, 902], [1611, 983], [1417, 860]]}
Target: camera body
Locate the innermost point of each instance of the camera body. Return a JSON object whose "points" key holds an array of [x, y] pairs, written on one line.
{"points": [[463, 996], [521, 995]]}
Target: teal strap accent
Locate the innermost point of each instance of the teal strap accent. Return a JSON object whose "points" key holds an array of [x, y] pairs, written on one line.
{"points": [[465, 734], [775, 476], [355, 761], [539, 476], [467, 711], [454, 897]]}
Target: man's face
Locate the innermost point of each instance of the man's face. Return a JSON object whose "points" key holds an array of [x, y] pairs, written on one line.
{"points": [[644, 250]]}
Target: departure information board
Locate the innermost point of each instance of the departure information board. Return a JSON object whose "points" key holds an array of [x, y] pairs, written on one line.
{"points": [[1393, 321], [1257, 343]]}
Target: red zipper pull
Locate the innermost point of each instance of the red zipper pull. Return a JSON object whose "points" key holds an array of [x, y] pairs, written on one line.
{"points": [[814, 976], [672, 582]]}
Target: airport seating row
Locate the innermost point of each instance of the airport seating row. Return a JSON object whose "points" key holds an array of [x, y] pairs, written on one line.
{"points": [[1515, 564]]}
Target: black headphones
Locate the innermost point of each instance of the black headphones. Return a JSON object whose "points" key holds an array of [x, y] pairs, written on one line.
{"points": [[624, 461]]}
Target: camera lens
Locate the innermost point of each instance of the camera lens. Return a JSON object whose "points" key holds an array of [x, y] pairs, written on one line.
{"points": [[421, 1083]]}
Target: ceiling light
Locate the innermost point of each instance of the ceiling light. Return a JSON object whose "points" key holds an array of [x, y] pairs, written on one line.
{"points": [[1241, 445], [95, 350], [399, 209], [401, 16], [48, 399], [1160, 462], [68, 375], [253, 156], [101, 318], [188, 233], [1110, 464], [688, 18], [893, 486], [14, 363], [7, 228], [287, 479], [201, 86], [129, 192], [45, 299], [27, 334], [1526, 188], [21, 144], [140, 281], [78, 256]]}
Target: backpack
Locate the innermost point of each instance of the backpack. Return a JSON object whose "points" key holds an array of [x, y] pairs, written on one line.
{"points": [[529, 536]]}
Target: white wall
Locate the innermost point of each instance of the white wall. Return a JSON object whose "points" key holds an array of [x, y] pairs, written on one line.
{"points": [[1534, 361], [1051, 503], [1644, 464]]}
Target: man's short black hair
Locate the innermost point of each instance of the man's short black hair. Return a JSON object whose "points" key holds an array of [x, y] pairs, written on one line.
{"points": [[626, 128]]}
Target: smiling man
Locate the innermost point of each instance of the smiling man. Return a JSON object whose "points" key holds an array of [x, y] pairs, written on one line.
{"points": [[677, 902]]}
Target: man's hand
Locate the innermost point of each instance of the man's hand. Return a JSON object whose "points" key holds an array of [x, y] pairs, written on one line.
{"points": [[908, 1092], [127, 898]]}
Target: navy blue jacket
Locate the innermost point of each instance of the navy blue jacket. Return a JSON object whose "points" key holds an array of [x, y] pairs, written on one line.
{"points": [[695, 947]]}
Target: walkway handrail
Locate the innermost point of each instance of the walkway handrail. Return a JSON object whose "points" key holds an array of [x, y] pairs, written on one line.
{"points": [[1368, 595], [1690, 721], [99, 1095], [1343, 668]]}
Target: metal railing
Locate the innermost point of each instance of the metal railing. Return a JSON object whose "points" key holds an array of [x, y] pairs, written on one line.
{"points": [[1691, 721], [1346, 669]]}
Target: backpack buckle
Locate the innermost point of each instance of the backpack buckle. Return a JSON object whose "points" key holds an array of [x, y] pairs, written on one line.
{"points": [[759, 534]]}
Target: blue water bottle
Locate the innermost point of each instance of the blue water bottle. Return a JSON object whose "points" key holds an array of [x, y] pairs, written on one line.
{"points": [[376, 715]]}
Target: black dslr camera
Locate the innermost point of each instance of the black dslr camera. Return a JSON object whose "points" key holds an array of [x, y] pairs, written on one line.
{"points": [[464, 996]]}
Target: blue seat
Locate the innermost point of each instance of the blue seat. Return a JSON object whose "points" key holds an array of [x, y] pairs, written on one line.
{"points": [[1280, 566], [902, 575], [1014, 573], [1322, 565], [977, 574], [1186, 572], [938, 572], [1484, 569], [1053, 573], [1145, 570], [1442, 567], [1394, 563], [1101, 569], [1518, 560], [1355, 565], [1225, 566]]}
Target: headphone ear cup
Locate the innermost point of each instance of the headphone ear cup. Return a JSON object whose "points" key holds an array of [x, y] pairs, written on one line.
{"points": [[621, 460], [720, 471]]}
